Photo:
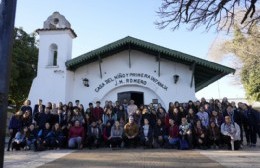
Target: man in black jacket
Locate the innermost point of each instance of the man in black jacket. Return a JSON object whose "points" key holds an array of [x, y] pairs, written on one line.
{"points": [[250, 124]]}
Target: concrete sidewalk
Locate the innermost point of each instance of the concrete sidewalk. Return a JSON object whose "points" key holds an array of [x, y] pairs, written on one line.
{"points": [[30, 159], [134, 158]]}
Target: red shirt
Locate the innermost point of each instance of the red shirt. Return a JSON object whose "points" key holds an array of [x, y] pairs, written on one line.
{"points": [[97, 113], [76, 132], [174, 131]]}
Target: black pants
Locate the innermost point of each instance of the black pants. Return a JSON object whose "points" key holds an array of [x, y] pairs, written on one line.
{"points": [[131, 142], [189, 139], [251, 132], [12, 135], [18, 146], [227, 140], [93, 141], [116, 142], [147, 142], [214, 142]]}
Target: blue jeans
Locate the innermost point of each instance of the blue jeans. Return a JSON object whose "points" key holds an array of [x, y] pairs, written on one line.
{"points": [[75, 142], [174, 141]]}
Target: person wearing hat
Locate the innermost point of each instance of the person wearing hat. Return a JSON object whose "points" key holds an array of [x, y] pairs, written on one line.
{"points": [[131, 131]]}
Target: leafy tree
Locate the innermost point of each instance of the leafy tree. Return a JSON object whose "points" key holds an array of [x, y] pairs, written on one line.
{"points": [[219, 13], [245, 46], [24, 59]]}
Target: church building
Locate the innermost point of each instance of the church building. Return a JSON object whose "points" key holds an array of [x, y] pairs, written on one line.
{"points": [[128, 68]]}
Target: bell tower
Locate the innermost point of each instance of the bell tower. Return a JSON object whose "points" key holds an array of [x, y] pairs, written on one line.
{"points": [[55, 48]]}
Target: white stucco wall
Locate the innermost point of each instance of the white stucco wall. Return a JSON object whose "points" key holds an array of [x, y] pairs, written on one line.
{"points": [[55, 83], [108, 87], [52, 82]]}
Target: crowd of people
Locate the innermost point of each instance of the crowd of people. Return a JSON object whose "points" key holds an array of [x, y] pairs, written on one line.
{"points": [[200, 125]]}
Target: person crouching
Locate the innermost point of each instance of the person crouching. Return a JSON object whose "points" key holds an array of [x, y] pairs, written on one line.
{"points": [[131, 131], [76, 136], [231, 134]]}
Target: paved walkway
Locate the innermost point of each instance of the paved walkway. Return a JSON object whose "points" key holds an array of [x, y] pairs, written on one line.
{"points": [[30, 159], [133, 158]]}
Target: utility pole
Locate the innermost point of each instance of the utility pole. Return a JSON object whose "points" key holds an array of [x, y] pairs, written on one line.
{"points": [[7, 17]]}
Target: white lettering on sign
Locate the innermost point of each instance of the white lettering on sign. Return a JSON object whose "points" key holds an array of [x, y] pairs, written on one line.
{"points": [[131, 78]]}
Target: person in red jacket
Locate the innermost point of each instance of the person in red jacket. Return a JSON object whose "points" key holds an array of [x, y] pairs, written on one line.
{"points": [[76, 136], [97, 112], [173, 132]]}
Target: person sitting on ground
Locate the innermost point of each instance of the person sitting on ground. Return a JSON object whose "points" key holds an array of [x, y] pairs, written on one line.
{"points": [[20, 139], [214, 135], [146, 134], [131, 131], [160, 136], [44, 137], [200, 135], [32, 137], [94, 135], [107, 133], [116, 136], [76, 136], [231, 133], [59, 139], [185, 132], [173, 135]]}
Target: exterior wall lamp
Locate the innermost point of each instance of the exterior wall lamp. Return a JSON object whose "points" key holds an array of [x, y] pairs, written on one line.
{"points": [[176, 78], [85, 82]]}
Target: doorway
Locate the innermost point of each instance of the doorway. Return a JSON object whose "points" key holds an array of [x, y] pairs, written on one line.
{"points": [[138, 97]]}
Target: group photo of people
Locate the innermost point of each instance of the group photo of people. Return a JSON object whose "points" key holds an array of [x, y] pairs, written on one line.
{"points": [[212, 124]]}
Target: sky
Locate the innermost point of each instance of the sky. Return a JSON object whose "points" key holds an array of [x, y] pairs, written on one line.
{"points": [[99, 22]]}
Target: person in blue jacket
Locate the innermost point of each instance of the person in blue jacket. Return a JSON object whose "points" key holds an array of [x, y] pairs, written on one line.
{"points": [[44, 138]]}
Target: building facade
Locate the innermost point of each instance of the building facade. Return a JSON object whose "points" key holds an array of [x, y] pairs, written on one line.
{"points": [[129, 68]]}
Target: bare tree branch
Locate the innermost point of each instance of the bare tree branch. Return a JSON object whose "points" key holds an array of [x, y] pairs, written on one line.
{"points": [[211, 13]]}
